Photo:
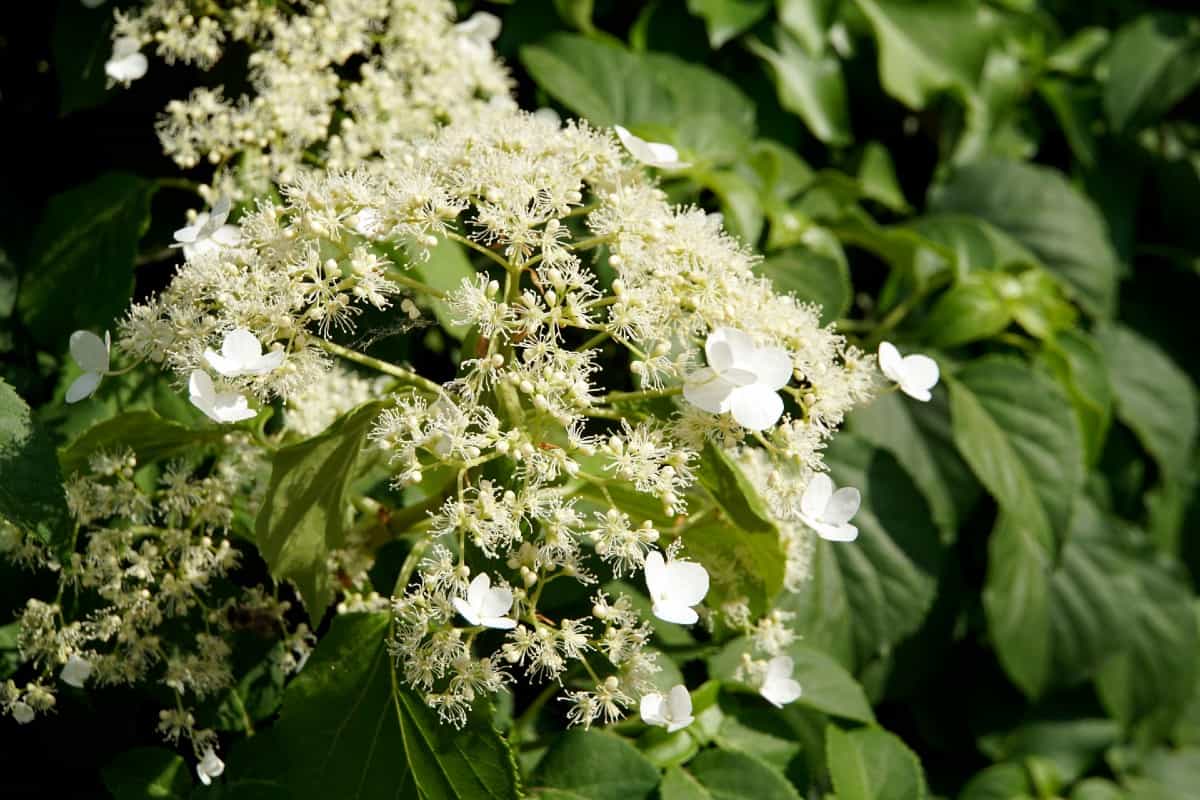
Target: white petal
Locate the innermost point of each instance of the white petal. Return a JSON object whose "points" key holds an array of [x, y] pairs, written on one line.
{"points": [[756, 407], [497, 602], [220, 213], [213, 766], [737, 377], [729, 347], [125, 46], [816, 496], [269, 362], [890, 362], [224, 366], [200, 388], [663, 154], [656, 573], [89, 351], [478, 590], [707, 391], [673, 612], [481, 26], [679, 703], [842, 506], [129, 68], [780, 667], [687, 581], [499, 623], [205, 778], [919, 374], [76, 671], [228, 236], [241, 345], [916, 392], [464, 608], [780, 692], [83, 386], [652, 154], [834, 533], [772, 366], [188, 233], [22, 712], [652, 709]]}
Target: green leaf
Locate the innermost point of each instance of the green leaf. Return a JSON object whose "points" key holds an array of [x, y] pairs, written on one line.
{"points": [[827, 686], [971, 243], [740, 203], [872, 764], [1166, 775], [808, 20], [737, 776], [1154, 397], [678, 784], [725, 19], [1041, 210], [1071, 746], [918, 435], [750, 725], [446, 269], [877, 175], [929, 46], [148, 435], [889, 574], [813, 277], [997, 782], [80, 274], [1098, 789], [81, 43], [1077, 361], [596, 766], [812, 86], [1015, 428], [971, 310], [1152, 63], [576, 13], [31, 493], [732, 491], [741, 564], [148, 772], [304, 510], [1016, 597]]}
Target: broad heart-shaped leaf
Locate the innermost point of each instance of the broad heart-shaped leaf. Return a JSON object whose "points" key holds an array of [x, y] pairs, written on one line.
{"points": [[813, 277], [348, 730], [596, 766], [872, 764], [919, 436], [82, 42], [997, 782], [827, 686], [740, 563], [147, 434], [809, 85], [678, 784], [736, 776], [304, 510], [80, 270], [928, 47], [148, 772], [1154, 397], [1014, 426], [972, 243], [1077, 361], [971, 310], [1072, 745], [446, 269], [1165, 775], [725, 19], [1041, 210], [31, 493], [888, 575], [1152, 63], [726, 484]]}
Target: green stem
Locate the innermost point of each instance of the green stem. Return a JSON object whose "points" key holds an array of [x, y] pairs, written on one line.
{"points": [[400, 373], [414, 284], [646, 394], [595, 340], [494, 256]]}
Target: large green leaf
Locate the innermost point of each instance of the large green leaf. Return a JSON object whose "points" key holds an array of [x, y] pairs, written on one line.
{"points": [[725, 483], [147, 434], [81, 43], [872, 764], [80, 272], [736, 776], [741, 564], [596, 766], [997, 782], [929, 46], [1152, 63], [31, 493], [678, 784], [809, 85], [725, 19], [1014, 427], [304, 510], [148, 773], [1080, 366], [813, 277], [446, 269], [347, 729], [1016, 598], [1154, 397], [1041, 210]]}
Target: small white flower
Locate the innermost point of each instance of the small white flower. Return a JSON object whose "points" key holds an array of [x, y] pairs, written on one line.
{"points": [[740, 378], [76, 671], [916, 374], [22, 712], [652, 154], [210, 766], [241, 354], [674, 712], [480, 27], [779, 687], [828, 512], [217, 406], [126, 64], [486, 606], [91, 353], [208, 233], [675, 586]]}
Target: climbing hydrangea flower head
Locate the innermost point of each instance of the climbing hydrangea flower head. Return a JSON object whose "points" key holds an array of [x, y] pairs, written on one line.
{"points": [[241, 354], [486, 605], [740, 378], [828, 512], [675, 586]]}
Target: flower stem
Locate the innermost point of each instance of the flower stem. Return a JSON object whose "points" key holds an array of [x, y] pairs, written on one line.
{"points": [[400, 373], [414, 284], [646, 394]]}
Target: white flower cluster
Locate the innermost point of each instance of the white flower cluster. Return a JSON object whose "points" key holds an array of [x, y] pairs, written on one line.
{"points": [[136, 603]]}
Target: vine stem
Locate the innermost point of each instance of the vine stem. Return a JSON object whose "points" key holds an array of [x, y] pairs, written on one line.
{"points": [[399, 373]]}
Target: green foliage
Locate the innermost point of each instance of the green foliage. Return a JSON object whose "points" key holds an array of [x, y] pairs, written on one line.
{"points": [[146, 773], [303, 514], [596, 766], [872, 764], [31, 494]]}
